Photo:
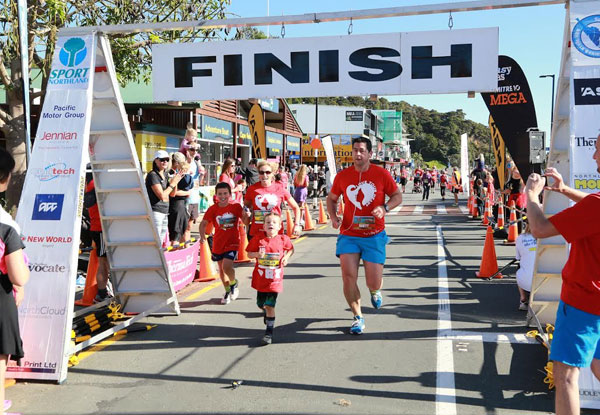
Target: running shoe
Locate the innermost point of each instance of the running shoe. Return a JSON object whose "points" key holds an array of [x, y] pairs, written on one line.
{"points": [[101, 297], [358, 325], [523, 306], [267, 339], [235, 292], [226, 298], [376, 299]]}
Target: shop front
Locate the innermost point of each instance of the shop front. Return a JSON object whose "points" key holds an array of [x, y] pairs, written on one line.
{"points": [[274, 145], [244, 144], [292, 146], [215, 138]]}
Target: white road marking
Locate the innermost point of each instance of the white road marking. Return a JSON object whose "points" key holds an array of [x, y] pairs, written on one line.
{"points": [[397, 208], [514, 338], [418, 210], [441, 210], [463, 209], [445, 392]]}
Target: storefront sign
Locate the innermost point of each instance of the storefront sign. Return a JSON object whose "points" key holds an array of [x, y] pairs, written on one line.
{"points": [[385, 64], [354, 115], [292, 143], [215, 129], [343, 153], [269, 104], [274, 142]]}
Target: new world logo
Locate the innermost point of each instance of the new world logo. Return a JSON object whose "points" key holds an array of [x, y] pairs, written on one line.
{"points": [[71, 55], [586, 36]]}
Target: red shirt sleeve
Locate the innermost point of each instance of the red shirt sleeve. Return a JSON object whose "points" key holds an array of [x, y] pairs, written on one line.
{"points": [[336, 188], [238, 210], [253, 244], [287, 243], [249, 197], [209, 215], [579, 221]]}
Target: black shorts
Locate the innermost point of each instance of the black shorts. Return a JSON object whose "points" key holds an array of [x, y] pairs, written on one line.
{"points": [[225, 255], [99, 241], [266, 299], [403, 181], [455, 191], [193, 211]]}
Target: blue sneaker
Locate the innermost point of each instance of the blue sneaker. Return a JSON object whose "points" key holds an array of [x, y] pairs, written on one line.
{"points": [[358, 325], [376, 299]]}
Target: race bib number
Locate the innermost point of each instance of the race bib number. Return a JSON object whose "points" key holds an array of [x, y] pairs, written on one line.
{"points": [[270, 260], [259, 216], [363, 223], [227, 223]]}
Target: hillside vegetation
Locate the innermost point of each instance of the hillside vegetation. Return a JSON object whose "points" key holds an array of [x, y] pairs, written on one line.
{"points": [[436, 135]]}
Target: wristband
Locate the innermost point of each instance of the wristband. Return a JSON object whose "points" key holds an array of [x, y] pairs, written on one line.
{"points": [[385, 207]]}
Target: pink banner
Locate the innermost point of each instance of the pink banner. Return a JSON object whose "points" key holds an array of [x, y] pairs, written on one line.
{"points": [[182, 265]]}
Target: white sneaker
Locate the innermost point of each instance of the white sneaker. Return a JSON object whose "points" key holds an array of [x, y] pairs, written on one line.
{"points": [[226, 299], [235, 292]]}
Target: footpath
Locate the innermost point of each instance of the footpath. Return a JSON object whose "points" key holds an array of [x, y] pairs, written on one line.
{"points": [[444, 342]]}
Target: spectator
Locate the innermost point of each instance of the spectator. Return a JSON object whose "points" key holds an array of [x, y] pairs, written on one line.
{"points": [[178, 214], [301, 186], [525, 246], [13, 277], [251, 173], [193, 200]]}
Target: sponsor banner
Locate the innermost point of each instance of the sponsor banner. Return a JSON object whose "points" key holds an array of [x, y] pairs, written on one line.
{"points": [[584, 133], [512, 108], [50, 209], [585, 33], [384, 64], [343, 153], [328, 146], [499, 152], [182, 265], [256, 122], [464, 163]]}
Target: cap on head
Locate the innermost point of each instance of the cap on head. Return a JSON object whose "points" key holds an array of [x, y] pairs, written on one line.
{"points": [[161, 154]]}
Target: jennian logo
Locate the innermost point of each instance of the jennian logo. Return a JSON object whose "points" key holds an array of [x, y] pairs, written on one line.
{"points": [[47, 207], [71, 55], [73, 52], [586, 36]]}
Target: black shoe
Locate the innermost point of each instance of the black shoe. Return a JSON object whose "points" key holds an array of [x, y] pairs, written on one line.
{"points": [[267, 339]]}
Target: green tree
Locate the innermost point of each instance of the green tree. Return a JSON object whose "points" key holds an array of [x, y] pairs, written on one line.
{"points": [[131, 51]]}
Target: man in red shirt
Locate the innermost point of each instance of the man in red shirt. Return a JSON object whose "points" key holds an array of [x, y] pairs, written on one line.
{"points": [[362, 229], [576, 341]]}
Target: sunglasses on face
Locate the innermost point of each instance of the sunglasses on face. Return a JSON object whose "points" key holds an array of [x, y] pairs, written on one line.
{"points": [[192, 149], [264, 172], [165, 160]]}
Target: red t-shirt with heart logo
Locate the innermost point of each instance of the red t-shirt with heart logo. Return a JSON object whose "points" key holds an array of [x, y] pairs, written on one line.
{"points": [[363, 192], [264, 200]]}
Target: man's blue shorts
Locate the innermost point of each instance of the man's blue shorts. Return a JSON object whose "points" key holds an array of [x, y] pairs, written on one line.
{"points": [[370, 248], [225, 255], [576, 337]]}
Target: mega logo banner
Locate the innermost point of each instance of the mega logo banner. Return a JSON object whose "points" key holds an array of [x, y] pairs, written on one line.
{"points": [[499, 152], [585, 101], [512, 109], [448, 61], [50, 209], [256, 123]]}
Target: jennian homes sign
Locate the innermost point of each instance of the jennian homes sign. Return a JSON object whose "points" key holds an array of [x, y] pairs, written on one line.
{"points": [[386, 64]]}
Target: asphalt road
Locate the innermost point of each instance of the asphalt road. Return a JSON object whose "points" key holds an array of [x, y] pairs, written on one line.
{"points": [[444, 341]]}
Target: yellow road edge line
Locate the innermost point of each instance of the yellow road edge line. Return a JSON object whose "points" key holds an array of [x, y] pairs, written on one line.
{"points": [[300, 239], [202, 291], [323, 227], [97, 347]]}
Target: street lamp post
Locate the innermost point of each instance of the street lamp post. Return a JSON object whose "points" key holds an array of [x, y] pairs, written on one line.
{"points": [[552, 113]]}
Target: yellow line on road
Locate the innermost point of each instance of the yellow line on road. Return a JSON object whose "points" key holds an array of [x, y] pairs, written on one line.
{"points": [[322, 227], [300, 239], [97, 347], [202, 291]]}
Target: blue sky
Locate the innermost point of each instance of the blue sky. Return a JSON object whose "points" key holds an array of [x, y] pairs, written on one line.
{"points": [[530, 35]]}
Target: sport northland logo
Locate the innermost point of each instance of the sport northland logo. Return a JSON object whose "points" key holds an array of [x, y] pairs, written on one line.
{"points": [[71, 55], [47, 207], [587, 91]]}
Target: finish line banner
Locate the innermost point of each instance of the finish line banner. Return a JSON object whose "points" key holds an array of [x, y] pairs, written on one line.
{"points": [[435, 62]]}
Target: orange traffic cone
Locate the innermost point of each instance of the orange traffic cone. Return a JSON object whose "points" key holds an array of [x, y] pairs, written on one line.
{"points": [[486, 209], [322, 215], [340, 207], [489, 264], [242, 255], [207, 270], [513, 231], [290, 225], [308, 222], [91, 286], [474, 209], [470, 203], [500, 215]]}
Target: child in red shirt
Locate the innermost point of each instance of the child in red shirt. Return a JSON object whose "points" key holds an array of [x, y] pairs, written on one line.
{"points": [[272, 252], [224, 216]]}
